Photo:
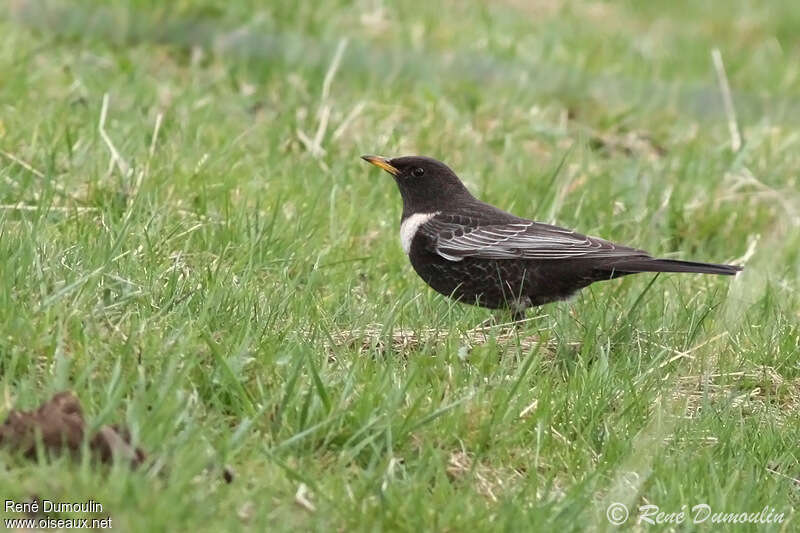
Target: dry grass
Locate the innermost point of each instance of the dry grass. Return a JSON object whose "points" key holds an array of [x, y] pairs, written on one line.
{"points": [[487, 481], [758, 390], [508, 336]]}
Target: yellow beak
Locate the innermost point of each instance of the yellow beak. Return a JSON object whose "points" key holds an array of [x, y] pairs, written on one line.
{"points": [[381, 162]]}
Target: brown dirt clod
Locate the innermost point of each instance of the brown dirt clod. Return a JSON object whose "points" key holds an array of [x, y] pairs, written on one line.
{"points": [[61, 427]]}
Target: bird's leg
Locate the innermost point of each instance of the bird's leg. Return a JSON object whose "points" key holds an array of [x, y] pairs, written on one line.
{"points": [[517, 316], [519, 310]]}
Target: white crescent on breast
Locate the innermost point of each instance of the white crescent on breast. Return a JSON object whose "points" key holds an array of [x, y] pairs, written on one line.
{"points": [[410, 226]]}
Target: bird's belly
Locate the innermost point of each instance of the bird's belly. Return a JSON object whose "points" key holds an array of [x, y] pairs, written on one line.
{"points": [[487, 283], [500, 283]]}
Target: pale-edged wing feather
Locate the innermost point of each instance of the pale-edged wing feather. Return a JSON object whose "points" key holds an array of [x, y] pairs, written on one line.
{"points": [[455, 237]]}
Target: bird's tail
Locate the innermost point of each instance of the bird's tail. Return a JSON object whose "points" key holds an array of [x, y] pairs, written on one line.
{"points": [[651, 264]]}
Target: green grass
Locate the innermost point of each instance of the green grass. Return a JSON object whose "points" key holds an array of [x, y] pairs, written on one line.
{"points": [[199, 289]]}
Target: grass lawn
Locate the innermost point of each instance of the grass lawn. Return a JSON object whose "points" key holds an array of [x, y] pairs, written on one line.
{"points": [[190, 242]]}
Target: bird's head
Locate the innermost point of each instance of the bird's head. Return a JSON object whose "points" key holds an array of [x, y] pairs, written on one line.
{"points": [[426, 185]]}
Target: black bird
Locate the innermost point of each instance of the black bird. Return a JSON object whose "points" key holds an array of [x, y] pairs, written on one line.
{"points": [[482, 255]]}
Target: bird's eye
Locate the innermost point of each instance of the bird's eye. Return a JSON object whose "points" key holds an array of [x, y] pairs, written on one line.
{"points": [[418, 172]]}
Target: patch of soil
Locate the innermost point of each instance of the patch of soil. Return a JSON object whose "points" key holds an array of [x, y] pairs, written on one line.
{"points": [[60, 426]]}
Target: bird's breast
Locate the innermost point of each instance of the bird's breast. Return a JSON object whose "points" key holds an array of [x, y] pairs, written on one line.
{"points": [[410, 226]]}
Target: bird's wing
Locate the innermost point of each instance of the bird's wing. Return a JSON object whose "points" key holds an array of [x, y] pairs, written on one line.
{"points": [[455, 238]]}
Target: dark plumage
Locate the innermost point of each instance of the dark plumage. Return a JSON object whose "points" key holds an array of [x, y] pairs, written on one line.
{"points": [[481, 255]]}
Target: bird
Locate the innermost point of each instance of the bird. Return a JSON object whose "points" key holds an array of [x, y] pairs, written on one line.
{"points": [[479, 254]]}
